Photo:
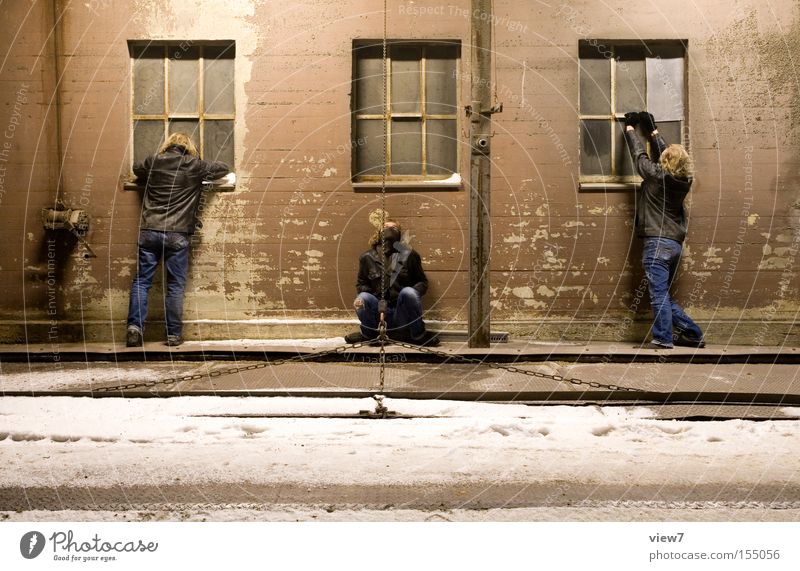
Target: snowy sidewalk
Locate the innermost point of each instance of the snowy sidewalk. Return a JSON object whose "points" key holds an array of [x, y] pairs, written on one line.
{"points": [[195, 455]]}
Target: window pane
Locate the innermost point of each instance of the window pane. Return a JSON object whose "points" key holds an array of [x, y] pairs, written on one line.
{"points": [[623, 162], [218, 78], [183, 76], [187, 126], [369, 155], [440, 80], [630, 74], [665, 88], [147, 138], [595, 86], [671, 132], [405, 84], [218, 142], [148, 80], [596, 148], [406, 147], [441, 146], [369, 80]]}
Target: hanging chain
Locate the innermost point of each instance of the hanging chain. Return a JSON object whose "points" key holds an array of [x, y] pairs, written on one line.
{"points": [[379, 397], [303, 358], [383, 303], [514, 369]]}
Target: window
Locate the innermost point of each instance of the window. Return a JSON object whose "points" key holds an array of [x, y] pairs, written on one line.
{"points": [[619, 77], [183, 86], [421, 106]]}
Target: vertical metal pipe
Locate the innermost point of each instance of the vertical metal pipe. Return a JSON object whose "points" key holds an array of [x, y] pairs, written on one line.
{"points": [[480, 195], [58, 44]]}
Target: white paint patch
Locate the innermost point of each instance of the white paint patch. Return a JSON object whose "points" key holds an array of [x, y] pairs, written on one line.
{"points": [[752, 219], [545, 291], [774, 263], [524, 292]]}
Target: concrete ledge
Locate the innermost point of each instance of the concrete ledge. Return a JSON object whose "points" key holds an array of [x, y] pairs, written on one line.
{"points": [[514, 351], [776, 332]]}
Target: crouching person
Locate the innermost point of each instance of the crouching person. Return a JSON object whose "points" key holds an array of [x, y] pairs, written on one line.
{"points": [[391, 270], [173, 185]]}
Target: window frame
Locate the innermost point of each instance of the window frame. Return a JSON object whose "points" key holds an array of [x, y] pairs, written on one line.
{"points": [[200, 115], [452, 180], [613, 181]]}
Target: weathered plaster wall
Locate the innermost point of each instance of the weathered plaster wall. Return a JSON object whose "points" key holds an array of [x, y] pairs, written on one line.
{"points": [[284, 245]]}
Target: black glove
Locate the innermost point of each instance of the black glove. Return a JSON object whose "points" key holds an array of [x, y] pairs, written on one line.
{"points": [[647, 121], [631, 119]]}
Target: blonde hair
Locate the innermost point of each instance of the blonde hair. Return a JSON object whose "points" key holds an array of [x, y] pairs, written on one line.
{"points": [[677, 162], [181, 140]]}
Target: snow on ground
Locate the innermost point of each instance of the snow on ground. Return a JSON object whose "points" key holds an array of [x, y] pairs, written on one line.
{"points": [[287, 513], [106, 442]]}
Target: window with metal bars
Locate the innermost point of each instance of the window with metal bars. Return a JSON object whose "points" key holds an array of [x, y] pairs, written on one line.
{"points": [[185, 87], [421, 111], [618, 77]]}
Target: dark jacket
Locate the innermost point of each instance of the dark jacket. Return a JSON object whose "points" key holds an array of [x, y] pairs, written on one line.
{"points": [[659, 201], [173, 186], [405, 270]]}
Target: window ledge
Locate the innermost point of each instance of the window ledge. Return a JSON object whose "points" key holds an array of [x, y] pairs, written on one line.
{"points": [[608, 186], [224, 184], [454, 182]]}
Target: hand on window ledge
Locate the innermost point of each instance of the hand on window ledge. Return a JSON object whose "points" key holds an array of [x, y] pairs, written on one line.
{"points": [[224, 184], [228, 179]]}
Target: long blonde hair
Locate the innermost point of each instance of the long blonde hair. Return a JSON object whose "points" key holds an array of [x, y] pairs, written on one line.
{"points": [[181, 140], [677, 162]]}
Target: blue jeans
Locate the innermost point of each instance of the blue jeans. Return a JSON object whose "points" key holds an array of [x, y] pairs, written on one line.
{"points": [[406, 314], [174, 248], [660, 259]]}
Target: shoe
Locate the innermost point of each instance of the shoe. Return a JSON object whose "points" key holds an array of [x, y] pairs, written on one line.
{"points": [[354, 337], [174, 340], [427, 339], [655, 345], [684, 341], [133, 337]]}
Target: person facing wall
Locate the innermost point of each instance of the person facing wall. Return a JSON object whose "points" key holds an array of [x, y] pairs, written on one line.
{"points": [[173, 180], [661, 223]]}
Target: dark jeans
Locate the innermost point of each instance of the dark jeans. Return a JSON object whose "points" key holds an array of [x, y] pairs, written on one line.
{"points": [[407, 313], [174, 248], [660, 259]]}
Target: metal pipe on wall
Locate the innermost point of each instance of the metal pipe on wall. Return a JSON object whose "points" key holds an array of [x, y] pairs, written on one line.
{"points": [[480, 176]]}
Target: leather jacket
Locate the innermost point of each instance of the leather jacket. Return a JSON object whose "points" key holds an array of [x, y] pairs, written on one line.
{"points": [[173, 182], [659, 200], [404, 270]]}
